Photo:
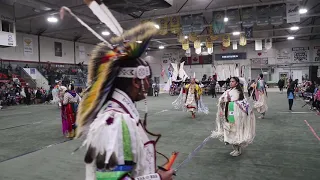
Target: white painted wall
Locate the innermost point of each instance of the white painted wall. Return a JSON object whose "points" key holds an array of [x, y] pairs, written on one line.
{"points": [[88, 49], [39, 78], [16, 53], [47, 52]]}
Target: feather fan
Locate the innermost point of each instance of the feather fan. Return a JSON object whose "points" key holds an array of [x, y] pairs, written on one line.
{"points": [[105, 16]]}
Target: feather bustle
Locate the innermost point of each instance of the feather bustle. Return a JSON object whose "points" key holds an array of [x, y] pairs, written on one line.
{"points": [[91, 98]]}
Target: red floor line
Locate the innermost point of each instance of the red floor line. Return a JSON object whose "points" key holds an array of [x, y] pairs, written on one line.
{"points": [[312, 130]]}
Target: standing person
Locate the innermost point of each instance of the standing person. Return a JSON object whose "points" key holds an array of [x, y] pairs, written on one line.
{"points": [[261, 96], [117, 142], [38, 96], [281, 85], [28, 95], [290, 94], [63, 112], [193, 92], [317, 99], [70, 102], [235, 120], [213, 84]]}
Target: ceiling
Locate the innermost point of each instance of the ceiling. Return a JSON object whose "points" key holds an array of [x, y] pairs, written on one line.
{"points": [[31, 17]]}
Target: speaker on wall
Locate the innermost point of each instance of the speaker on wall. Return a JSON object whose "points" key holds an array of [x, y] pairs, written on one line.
{"points": [[313, 71]]}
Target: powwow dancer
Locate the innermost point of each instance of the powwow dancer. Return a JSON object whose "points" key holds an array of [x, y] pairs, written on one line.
{"points": [[193, 93], [180, 102], [70, 106], [235, 121], [261, 96], [117, 140]]}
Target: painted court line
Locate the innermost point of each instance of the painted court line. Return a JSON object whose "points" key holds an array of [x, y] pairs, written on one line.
{"points": [[312, 130], [21, 125], [295, 112], [161, 111], [45, 147]]}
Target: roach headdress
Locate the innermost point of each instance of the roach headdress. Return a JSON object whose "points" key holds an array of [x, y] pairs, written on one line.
{"points": [[103, 67]]}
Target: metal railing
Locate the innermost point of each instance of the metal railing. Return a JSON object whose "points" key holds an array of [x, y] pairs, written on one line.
{"points": [[28, 79]]}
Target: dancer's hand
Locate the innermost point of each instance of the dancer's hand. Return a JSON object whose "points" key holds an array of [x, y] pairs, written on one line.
{"points": [[166, 175]]}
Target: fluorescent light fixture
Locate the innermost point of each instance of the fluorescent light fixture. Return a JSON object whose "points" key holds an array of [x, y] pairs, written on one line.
{"points": [[157, 26], [294, 28], [290, 38], [161, 47], [139, 42], [226, 19], [303, 10], [52, 19], [105, 33], [185, 37], [237, 33]]}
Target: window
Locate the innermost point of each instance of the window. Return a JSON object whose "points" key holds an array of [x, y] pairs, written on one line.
{"points": [[7, 26]]}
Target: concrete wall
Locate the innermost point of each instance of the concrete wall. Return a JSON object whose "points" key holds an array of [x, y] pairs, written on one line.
{"points": [[47, 52]]}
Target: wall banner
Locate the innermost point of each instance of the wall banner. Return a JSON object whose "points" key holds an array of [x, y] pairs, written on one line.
{"points": [[27, 46], [300, 54], [82, 52], [293, 12], [316, 53], [58, 49], [283, 56], [169, 57]]}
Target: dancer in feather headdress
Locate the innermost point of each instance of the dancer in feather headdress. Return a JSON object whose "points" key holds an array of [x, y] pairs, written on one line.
{"points": [[117, 141]]}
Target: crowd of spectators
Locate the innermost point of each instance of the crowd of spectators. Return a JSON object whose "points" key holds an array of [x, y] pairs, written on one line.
{"points": [[310, 91], [11, 93]]}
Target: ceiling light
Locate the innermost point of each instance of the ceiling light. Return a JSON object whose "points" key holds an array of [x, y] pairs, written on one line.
{"points": [[52, 19], [157, 26], [161, 47], [139, 42], [303, 10], [185, 37], [290, 38], [237, 33], [226, 19], [105, 33], [294, 28]]}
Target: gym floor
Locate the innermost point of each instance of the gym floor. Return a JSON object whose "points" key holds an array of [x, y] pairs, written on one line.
{"points": [[33, 148]]}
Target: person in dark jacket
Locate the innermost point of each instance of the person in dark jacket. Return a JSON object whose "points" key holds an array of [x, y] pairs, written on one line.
{"points": [[281, 84]]}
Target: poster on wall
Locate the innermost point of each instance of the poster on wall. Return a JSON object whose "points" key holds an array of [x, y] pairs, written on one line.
{"points": [[283, 56], [300, 54], [316, 53], [293, 12], [27, 46], [58, 49], [259, 62], [169, 57], [32, 71], [82, 52]]}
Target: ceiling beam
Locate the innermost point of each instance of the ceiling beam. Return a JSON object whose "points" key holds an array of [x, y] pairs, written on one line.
{"points": [[264, 30], [204, 10], [311, 31], [72, 29], [56, 10], [182, 6]]}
